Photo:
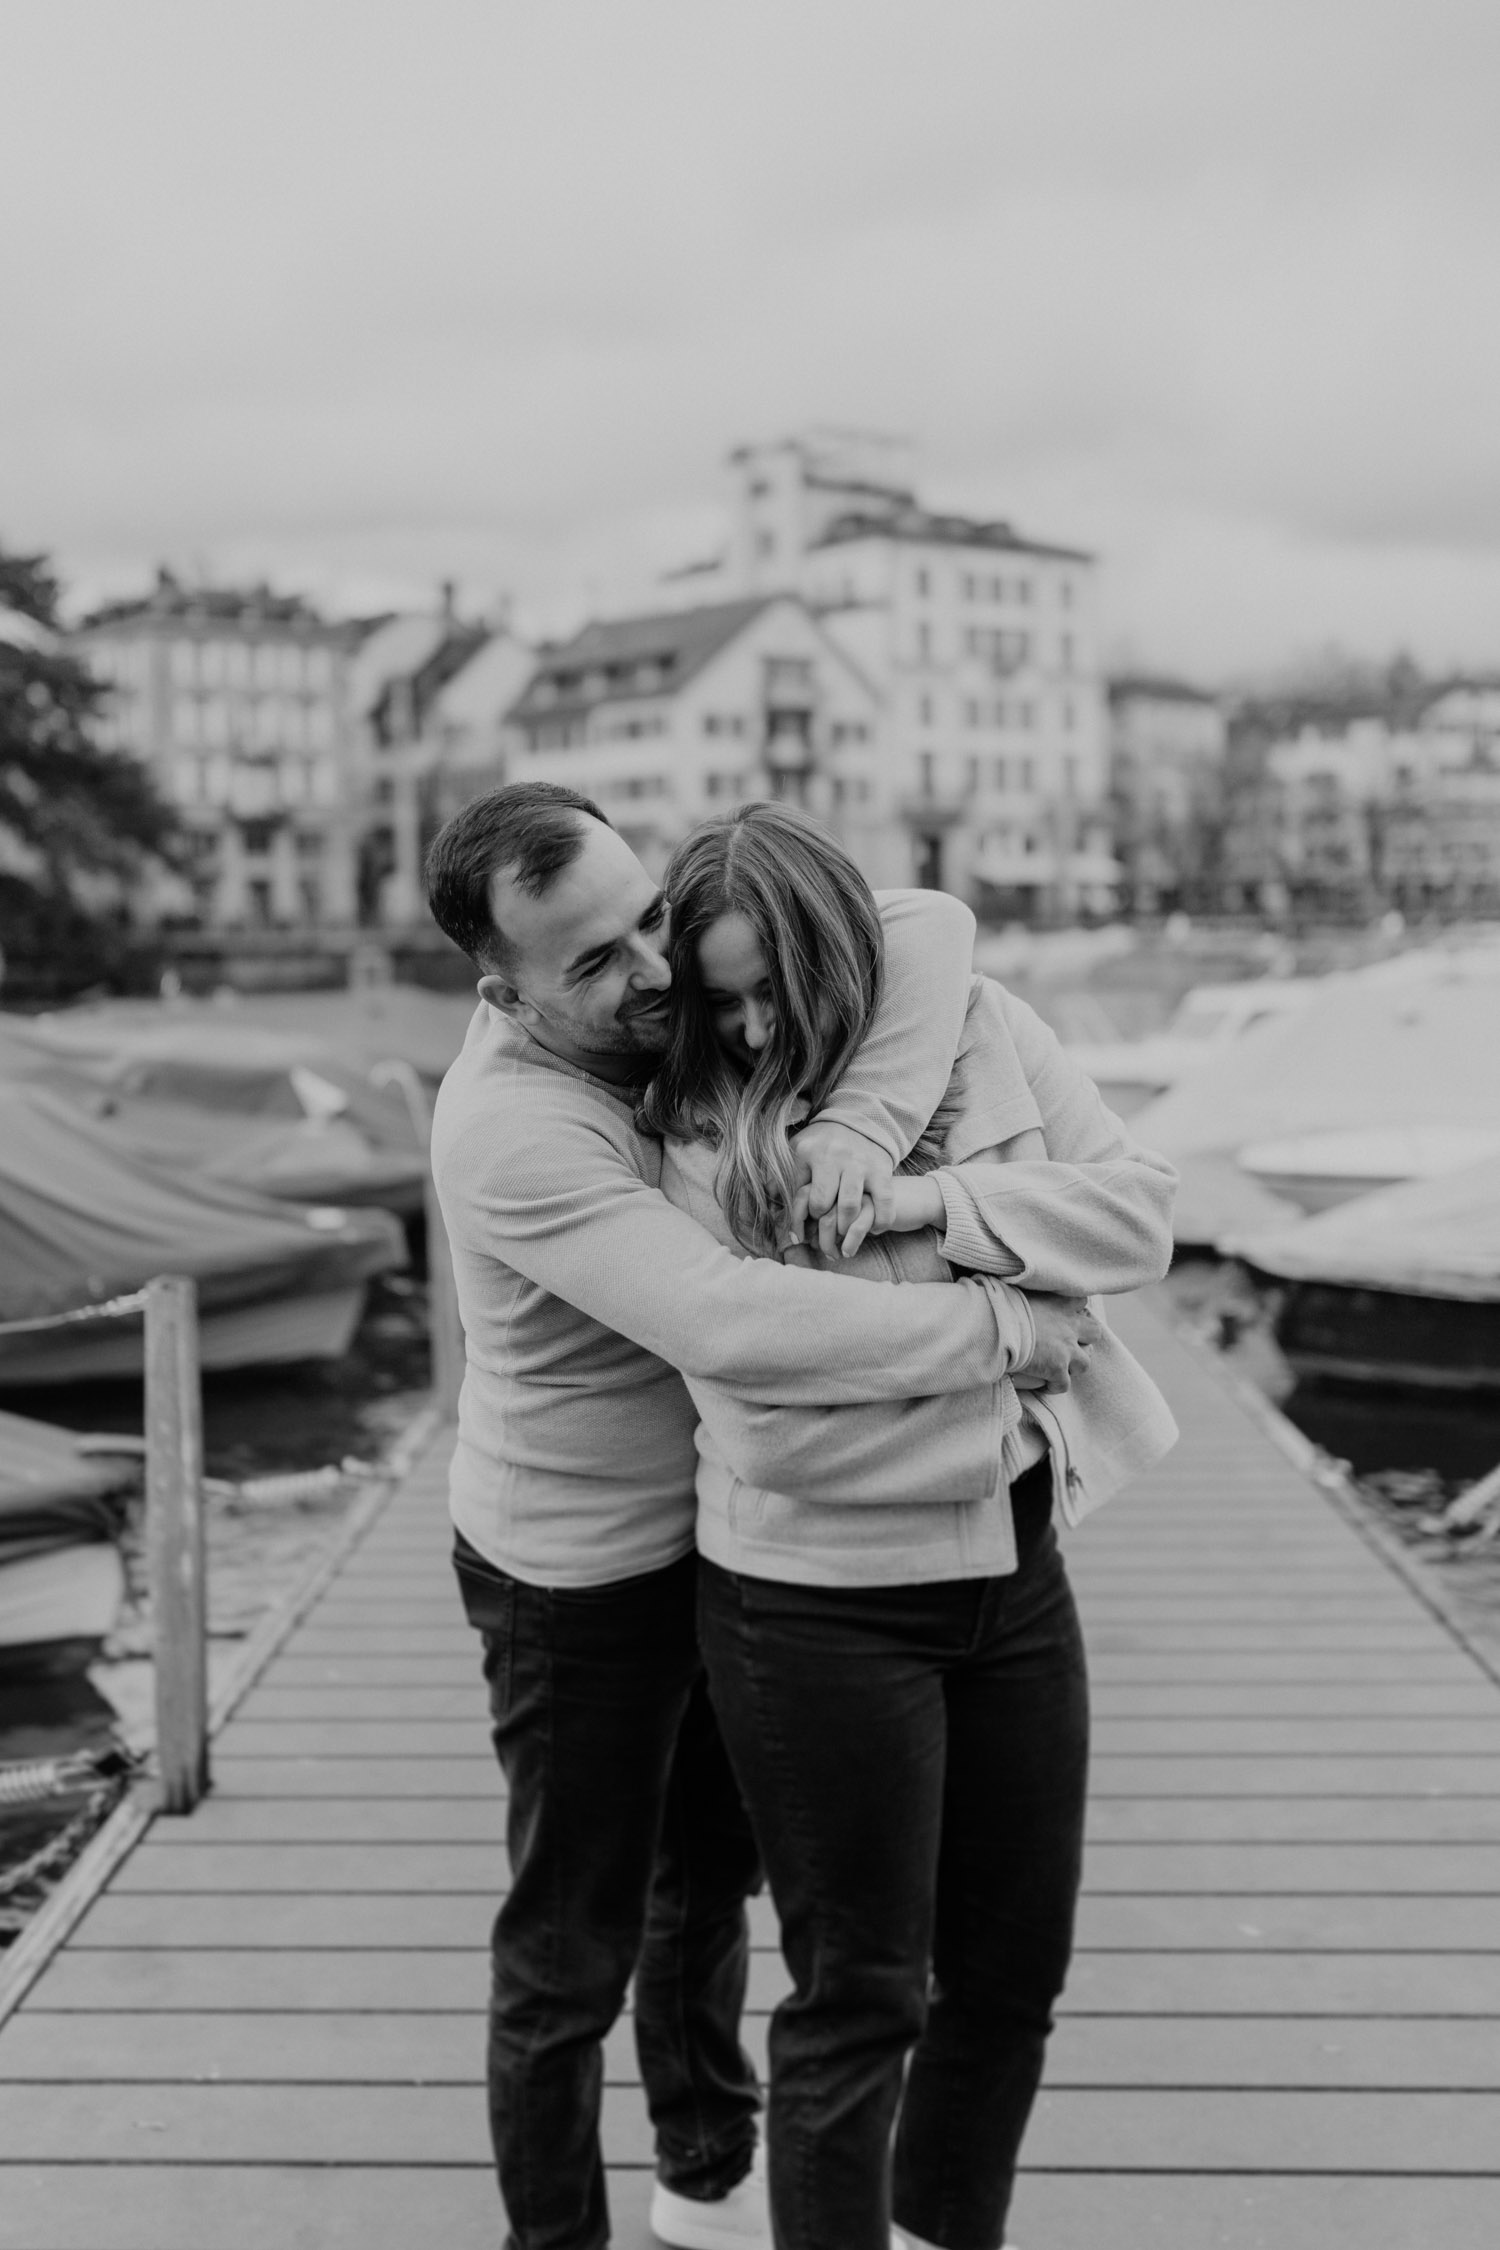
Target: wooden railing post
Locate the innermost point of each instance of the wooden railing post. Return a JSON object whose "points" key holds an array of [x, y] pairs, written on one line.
{"points": [[174, 1540]]}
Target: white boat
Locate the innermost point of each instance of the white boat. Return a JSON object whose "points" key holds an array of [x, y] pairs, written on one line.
{"points": [[61, 1577], [1318, 1171], [1411, 1046], [1400, 1288], [1209, 1020]]}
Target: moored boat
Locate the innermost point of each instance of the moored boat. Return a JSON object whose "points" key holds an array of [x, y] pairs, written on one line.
{"points": [[83, 1221], [1401, 1288]]}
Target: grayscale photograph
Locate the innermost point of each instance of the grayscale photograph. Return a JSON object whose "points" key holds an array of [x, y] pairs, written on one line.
{"points": [[750, 1125]]}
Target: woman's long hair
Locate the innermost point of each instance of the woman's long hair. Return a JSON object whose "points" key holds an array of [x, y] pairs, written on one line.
{"points": [[818, 928]]}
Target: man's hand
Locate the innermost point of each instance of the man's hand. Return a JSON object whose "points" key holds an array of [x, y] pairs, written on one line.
{"points": [[1065, 1331], [837, 1169]]}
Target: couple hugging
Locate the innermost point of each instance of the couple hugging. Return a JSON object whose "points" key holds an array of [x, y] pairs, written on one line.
{"points": [[762, 1557]]}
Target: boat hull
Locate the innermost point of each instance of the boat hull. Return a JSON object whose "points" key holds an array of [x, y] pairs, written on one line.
{"points": [[1376, 1336], [274, 1332]]}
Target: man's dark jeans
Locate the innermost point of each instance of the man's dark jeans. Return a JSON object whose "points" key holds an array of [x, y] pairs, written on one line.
{"points": [[630, 1852], [914, 1759]]}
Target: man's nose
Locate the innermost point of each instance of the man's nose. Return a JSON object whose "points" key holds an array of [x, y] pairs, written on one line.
{"points": [[649, 971]]}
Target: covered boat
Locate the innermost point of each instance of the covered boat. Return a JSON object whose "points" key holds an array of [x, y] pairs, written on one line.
{"points": [[1410, 1045], [1402, 1287], [1208, 1021], [1316, 1171], [83, 1220], [61, 1511], [272, 1113]]}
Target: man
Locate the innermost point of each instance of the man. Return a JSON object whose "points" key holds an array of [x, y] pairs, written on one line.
{"points": [[583, 1292]]}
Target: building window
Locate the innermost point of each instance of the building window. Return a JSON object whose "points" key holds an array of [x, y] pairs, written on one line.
{"points": [[1067, 652], [998, 776], [1067, 711], [1023, 589], [972, 714], [765, 545], [257, 836], [924, 710], [1070, 777], [1025, 714], [971, 586], [924, 584], [1028, 775], [926, 773], [924, 641], [1065, 593], [971, 775]]}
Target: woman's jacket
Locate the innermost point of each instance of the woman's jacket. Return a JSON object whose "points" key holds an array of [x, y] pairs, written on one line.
{"points": [[915, 1491]]}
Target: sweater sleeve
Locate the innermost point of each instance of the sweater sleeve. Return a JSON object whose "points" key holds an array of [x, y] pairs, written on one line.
{"points": [[899, 1076], [1095, 1216], [917, 1449], [555, 1197]]}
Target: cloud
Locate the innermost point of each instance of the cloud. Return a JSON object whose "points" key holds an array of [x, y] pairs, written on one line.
{"points": [[364, 287]]}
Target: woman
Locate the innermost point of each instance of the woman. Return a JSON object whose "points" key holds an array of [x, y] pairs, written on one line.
{"points": [[888, 1628]]}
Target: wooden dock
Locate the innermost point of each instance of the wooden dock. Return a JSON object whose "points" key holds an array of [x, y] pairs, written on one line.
{"points": [[1282, 2030]]}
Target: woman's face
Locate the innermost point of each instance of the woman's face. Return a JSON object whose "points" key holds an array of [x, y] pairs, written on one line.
{"points": [[736, 989]]}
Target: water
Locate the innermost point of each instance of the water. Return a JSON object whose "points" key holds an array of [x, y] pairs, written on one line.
{"points": [[260, 1421]]}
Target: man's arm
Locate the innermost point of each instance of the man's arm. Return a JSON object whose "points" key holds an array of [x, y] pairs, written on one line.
{"points": [[834, 1456], [889, 1453], [555, 1198]]}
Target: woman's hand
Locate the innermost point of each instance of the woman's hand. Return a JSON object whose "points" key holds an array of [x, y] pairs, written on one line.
{"points": [[838, 1172]]}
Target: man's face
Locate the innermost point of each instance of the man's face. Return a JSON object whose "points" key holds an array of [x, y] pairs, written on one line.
{"points": [[588, 957]]}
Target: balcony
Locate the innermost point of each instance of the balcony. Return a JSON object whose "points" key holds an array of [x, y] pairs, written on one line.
{"points": [[928, 811]]}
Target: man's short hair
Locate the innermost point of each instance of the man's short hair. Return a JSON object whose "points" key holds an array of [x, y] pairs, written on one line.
{"points": [[530, 827]]}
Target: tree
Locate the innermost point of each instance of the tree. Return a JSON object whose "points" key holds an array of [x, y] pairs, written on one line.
{"points": [[80, 825]]}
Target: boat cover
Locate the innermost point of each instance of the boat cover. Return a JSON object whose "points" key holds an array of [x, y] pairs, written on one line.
{"points": [[1425, 1238], [82, 1220], [1411, 1042], [204, 1061], [325, 1159]]}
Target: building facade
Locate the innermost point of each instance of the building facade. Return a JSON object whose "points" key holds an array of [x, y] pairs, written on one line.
{"points": [[667, 718], [240, 704], [1372, 810], [438, 736], [1167, 745], [983, 647]]}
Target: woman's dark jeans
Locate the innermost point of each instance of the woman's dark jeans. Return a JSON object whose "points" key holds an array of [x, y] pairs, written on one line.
{"points": [[630, 1853], [914, 1759]]}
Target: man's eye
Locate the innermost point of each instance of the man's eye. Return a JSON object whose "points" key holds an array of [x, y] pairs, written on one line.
{"points": [[654, 919]]}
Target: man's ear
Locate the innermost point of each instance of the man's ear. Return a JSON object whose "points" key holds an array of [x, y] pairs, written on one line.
{"points": [[501, 995]]}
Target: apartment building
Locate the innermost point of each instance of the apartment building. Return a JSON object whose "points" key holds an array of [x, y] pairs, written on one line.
{"points": [[983, 647], [1393, 810], [240, 703], [666, 718], [437, 727], [1167, 745]]}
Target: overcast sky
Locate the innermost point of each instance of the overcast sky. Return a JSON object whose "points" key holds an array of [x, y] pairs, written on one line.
{"points": [[365, 295]]}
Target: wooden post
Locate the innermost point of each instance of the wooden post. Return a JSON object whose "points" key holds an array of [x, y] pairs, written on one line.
{"points": [[444, 1327], [174, 1540]]}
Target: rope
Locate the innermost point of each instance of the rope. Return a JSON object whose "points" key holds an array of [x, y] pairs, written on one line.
{"points": [[113, 1308]]}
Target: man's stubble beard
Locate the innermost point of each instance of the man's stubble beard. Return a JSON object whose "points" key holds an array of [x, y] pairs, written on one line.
{"points": [[645, 1038]]}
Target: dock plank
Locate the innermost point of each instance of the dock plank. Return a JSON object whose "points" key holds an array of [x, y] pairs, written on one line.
{"points": [[1282, 2027]]}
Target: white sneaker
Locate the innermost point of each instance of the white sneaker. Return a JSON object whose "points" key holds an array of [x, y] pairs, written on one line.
{"points": [[736, 2221]]}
